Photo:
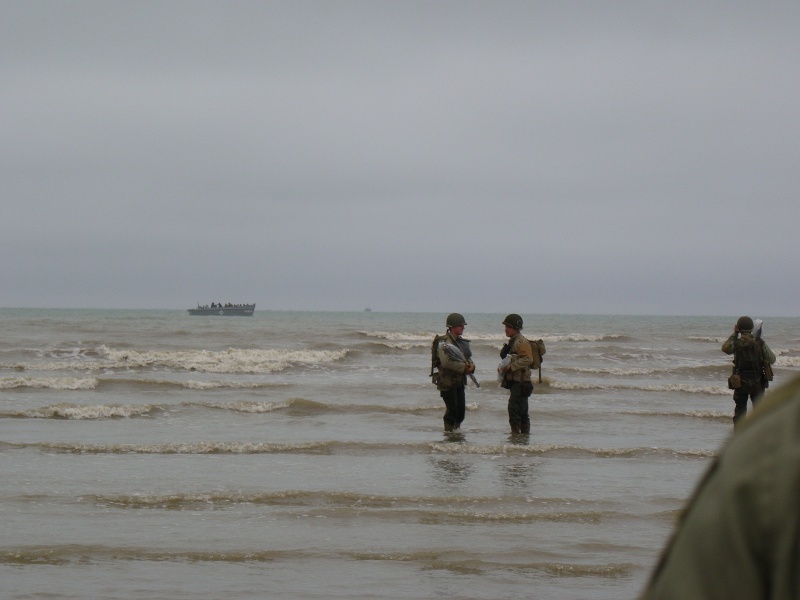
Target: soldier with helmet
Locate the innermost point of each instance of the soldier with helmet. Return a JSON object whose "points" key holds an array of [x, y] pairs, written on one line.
{"points": [[451, 378], [517, 374], [749, 355]]}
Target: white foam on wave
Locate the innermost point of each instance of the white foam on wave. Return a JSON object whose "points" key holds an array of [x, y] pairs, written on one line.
{"points": [[55, 383], [427, 336], [76, 412], [400, 336], [543, 449], [217, 384], [232, 360], [249, 407], [579, 337], [404, 345], [199, 447], [424, 338], [617, 370], [670, 387], [787, 361]]}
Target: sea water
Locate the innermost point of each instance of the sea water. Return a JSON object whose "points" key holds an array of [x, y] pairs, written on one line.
{"points": [[153, 454]]}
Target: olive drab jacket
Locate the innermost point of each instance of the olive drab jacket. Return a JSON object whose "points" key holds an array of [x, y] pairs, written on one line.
{"points": [[519, 349], [739, 537], [451, 372]]}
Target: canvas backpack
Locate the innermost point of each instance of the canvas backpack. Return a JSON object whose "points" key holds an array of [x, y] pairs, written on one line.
{"points": [[537, 350], [748, 356]]}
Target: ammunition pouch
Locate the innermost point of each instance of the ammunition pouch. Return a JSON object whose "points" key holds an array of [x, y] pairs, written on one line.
{"points": [[734, 381]]}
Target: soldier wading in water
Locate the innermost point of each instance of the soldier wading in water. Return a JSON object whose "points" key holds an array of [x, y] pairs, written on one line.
{"points": [[517, 374], [751, 358], [451, 377]]}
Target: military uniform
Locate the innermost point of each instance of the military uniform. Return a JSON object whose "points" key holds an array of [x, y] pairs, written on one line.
{"points": [[739, 537], [517, 379], [452, 376], [749, 355]]}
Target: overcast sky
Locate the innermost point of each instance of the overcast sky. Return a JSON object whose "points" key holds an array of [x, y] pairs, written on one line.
{"points": [[532, 157]]}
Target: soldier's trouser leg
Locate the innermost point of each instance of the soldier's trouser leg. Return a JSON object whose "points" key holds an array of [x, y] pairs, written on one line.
{"points": [[518, 407], [455, 405], [740, 397], [756, 392], [750, 390]]}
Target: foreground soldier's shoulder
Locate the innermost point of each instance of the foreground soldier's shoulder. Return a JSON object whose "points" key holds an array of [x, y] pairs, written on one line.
{"points": [[739, 530], [765, 449], [780, 409]]}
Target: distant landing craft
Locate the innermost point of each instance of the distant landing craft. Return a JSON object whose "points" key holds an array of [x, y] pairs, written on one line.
{"points": [[225, 310]]}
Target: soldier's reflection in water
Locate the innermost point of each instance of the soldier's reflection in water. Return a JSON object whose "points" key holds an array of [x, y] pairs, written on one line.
{"points": [[451, 470], [519, 439], [518, 475]]}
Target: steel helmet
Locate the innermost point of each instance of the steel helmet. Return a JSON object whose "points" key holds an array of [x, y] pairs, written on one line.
{"points": [[514, 321], [745, 324], [455, 320]]}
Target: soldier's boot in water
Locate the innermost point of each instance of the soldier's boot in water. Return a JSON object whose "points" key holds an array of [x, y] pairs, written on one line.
{"points": [[448, 426], [525, 427], [515, 428]]}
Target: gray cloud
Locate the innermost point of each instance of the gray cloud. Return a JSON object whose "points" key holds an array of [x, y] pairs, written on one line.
{"points": [[546, 156]]}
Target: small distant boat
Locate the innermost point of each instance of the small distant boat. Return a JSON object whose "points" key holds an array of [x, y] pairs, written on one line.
{"points": [[224, 310]]}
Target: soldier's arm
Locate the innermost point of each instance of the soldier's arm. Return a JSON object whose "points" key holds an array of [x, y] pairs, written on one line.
{"points": [[522, 357], [769, 355], [728, 345]]}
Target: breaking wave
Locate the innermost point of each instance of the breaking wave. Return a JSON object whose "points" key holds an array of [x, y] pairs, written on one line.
{"points": [[787, 361], [400, 336], [413, 339], [303, 407], [217, 384], [689, 414], [344, 499], [362, 449], [583, 337], [70, 554], [232, 360], [458, 562], [78, 413], [568, 450], [54, 383], [673, 387]]}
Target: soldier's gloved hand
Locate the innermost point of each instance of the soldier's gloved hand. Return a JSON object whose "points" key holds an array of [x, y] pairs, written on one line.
{"points": [[469, 368]]}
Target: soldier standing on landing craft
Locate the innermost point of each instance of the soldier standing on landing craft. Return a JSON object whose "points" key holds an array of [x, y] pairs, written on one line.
{"points": [[517, 374], [452, 376]]}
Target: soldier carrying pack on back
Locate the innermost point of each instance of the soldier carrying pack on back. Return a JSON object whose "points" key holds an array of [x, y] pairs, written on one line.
{"points": [[752, 370]]}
